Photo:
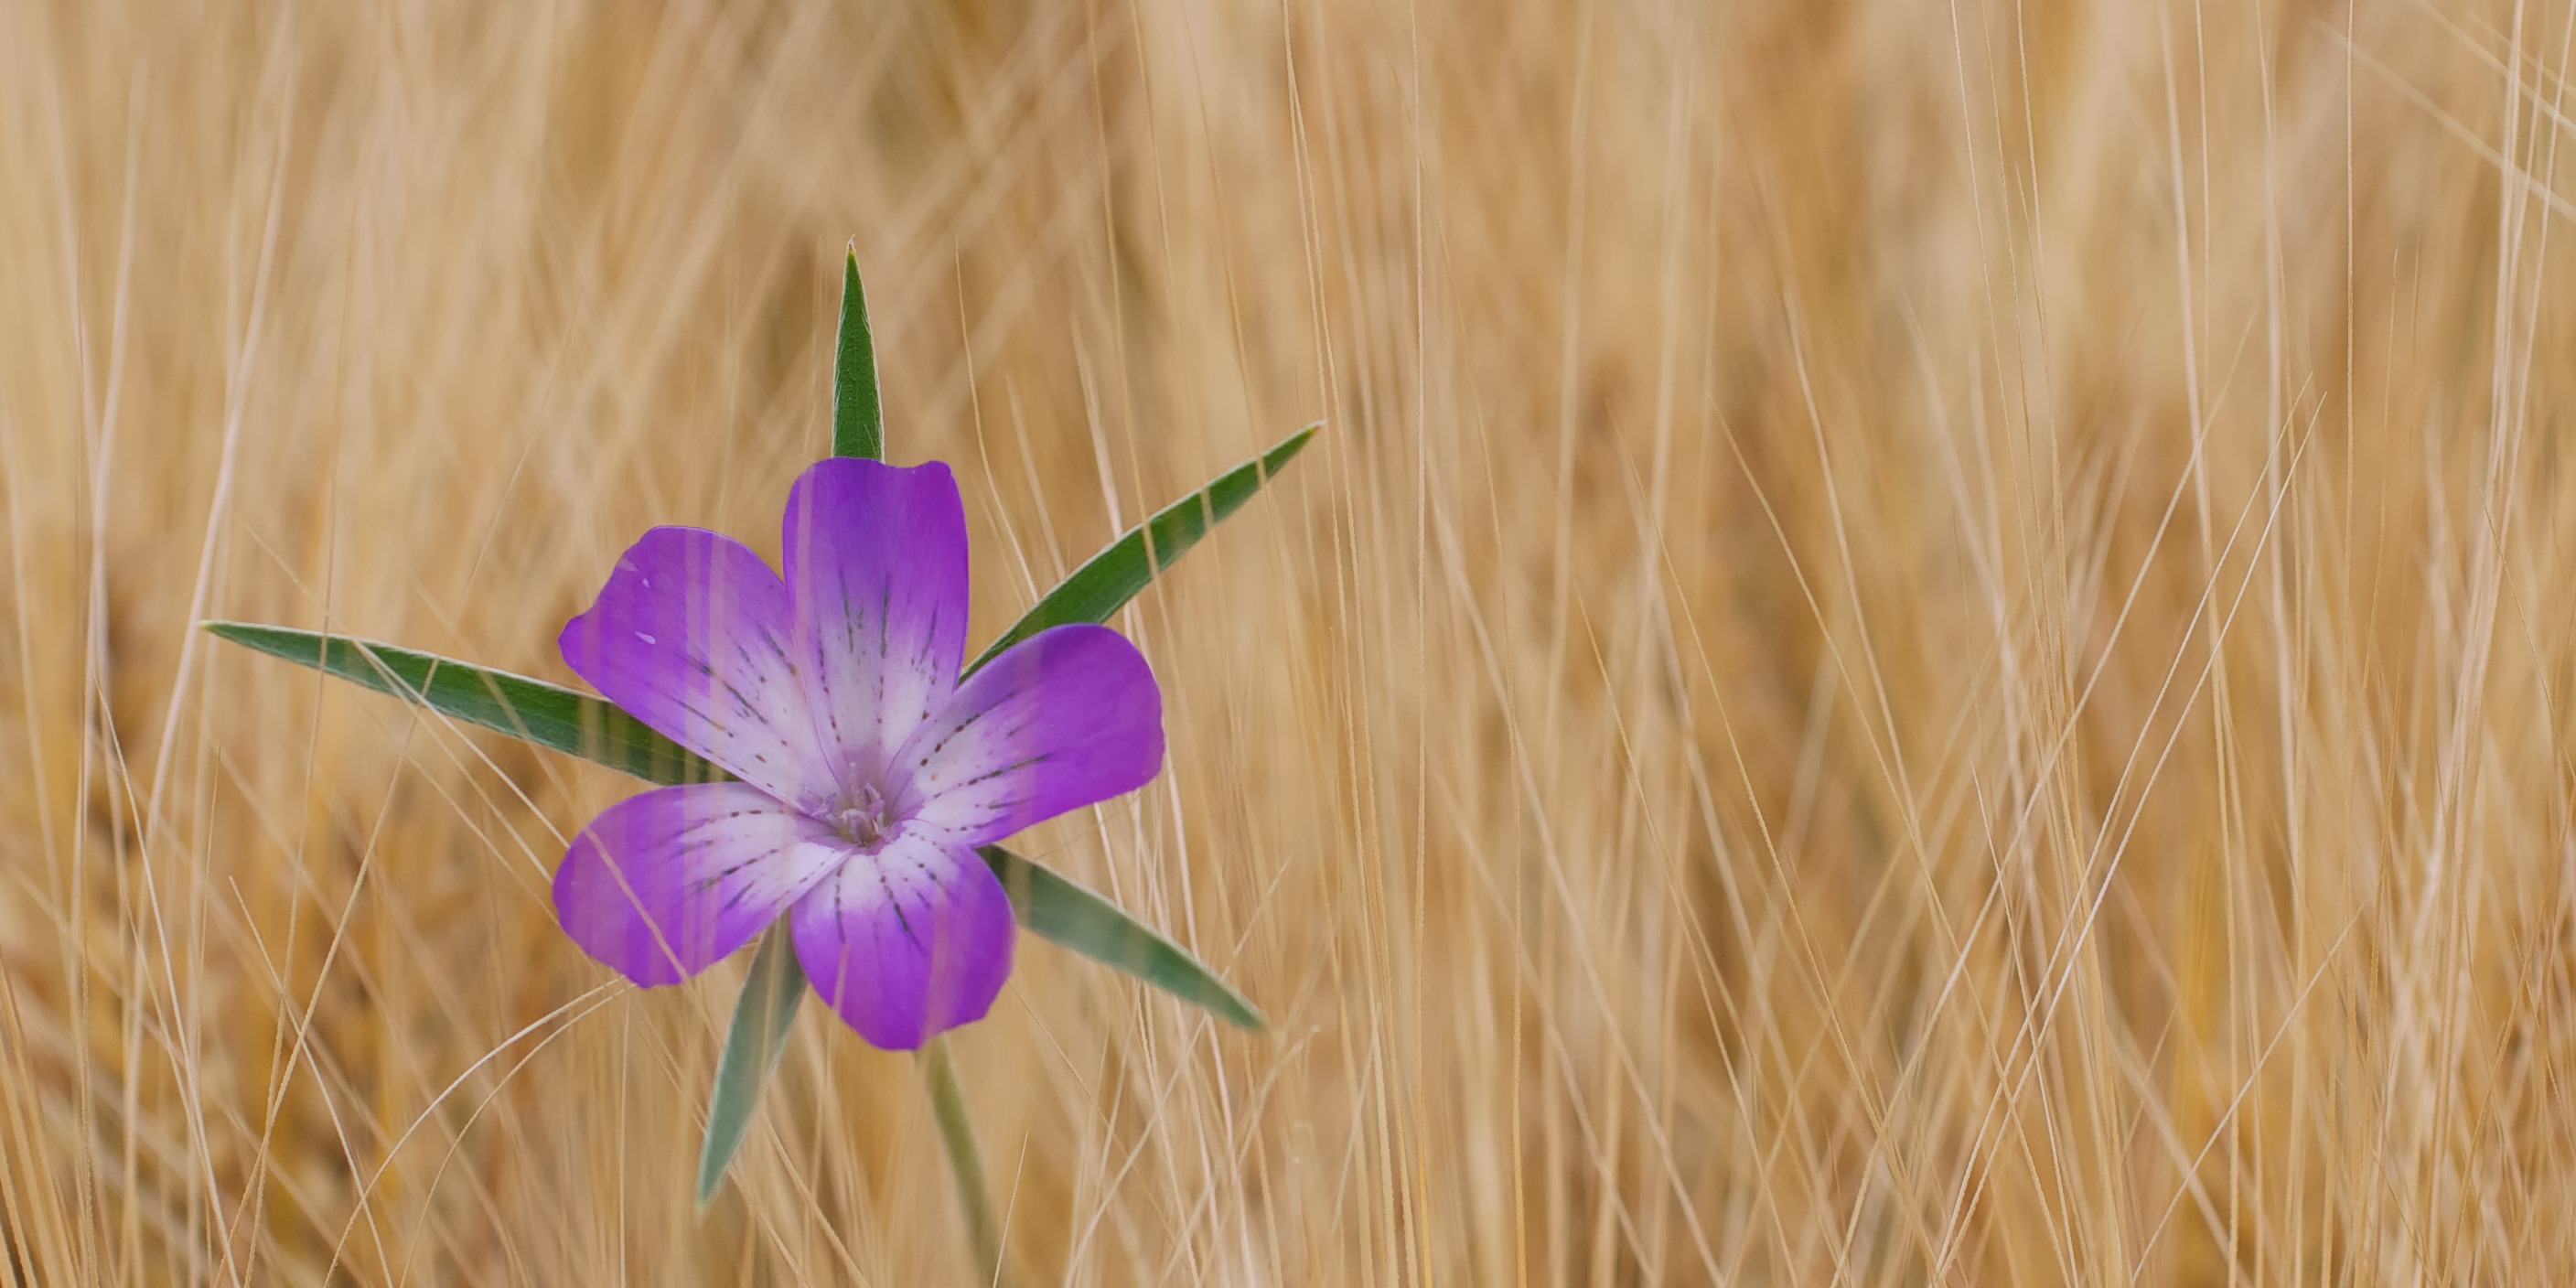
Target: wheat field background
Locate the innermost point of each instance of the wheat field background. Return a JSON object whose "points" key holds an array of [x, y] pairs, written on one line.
{"points": [[1925, 644]]}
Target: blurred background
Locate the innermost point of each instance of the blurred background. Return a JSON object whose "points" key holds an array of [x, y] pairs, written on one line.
{"points": [[1923, 645]]}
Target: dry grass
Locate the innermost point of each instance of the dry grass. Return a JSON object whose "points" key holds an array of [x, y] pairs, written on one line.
{"points": [[1925, 645]]}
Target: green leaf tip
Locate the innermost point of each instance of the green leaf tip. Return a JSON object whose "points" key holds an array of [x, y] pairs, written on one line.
{"points": [[858, 404], [1106, 581], [762, 1018]]}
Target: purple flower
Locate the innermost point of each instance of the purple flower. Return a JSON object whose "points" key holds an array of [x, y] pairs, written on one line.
{"points": [[868, 774]]}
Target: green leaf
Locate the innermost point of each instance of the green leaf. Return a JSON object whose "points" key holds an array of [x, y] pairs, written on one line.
{"points": [[1105, 582], [753, 1043], [858, 409], [595, 729], [1061, 909], [549, 715]]}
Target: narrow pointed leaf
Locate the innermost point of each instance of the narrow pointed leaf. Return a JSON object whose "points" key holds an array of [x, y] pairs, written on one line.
{"points": [[753, 1043], [1106, 581], [1057, 907], [858, 409], [550, 715]]}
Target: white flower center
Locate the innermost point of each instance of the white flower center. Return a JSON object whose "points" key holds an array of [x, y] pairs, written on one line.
{"points": [[861, 820]]}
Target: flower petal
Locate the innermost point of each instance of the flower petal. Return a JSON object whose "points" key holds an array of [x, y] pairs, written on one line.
{"points": [[876, 574], [907, 942], [1067, 717], [665, 883], [690, 636]]}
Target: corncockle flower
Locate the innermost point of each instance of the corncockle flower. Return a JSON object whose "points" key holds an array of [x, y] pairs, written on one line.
{"points": [[864, 770], [867, 773]]}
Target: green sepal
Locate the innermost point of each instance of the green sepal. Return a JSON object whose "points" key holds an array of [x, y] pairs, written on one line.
{"points": [[548, 715], [1106, 581], [858, 407], [753, 1042], [1058, 908]]}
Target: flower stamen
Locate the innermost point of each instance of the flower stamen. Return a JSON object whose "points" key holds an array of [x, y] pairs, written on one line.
{"points": [[861, 820]]}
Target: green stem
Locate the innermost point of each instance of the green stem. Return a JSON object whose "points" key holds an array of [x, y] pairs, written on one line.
{"points": [[957, 1133]]}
